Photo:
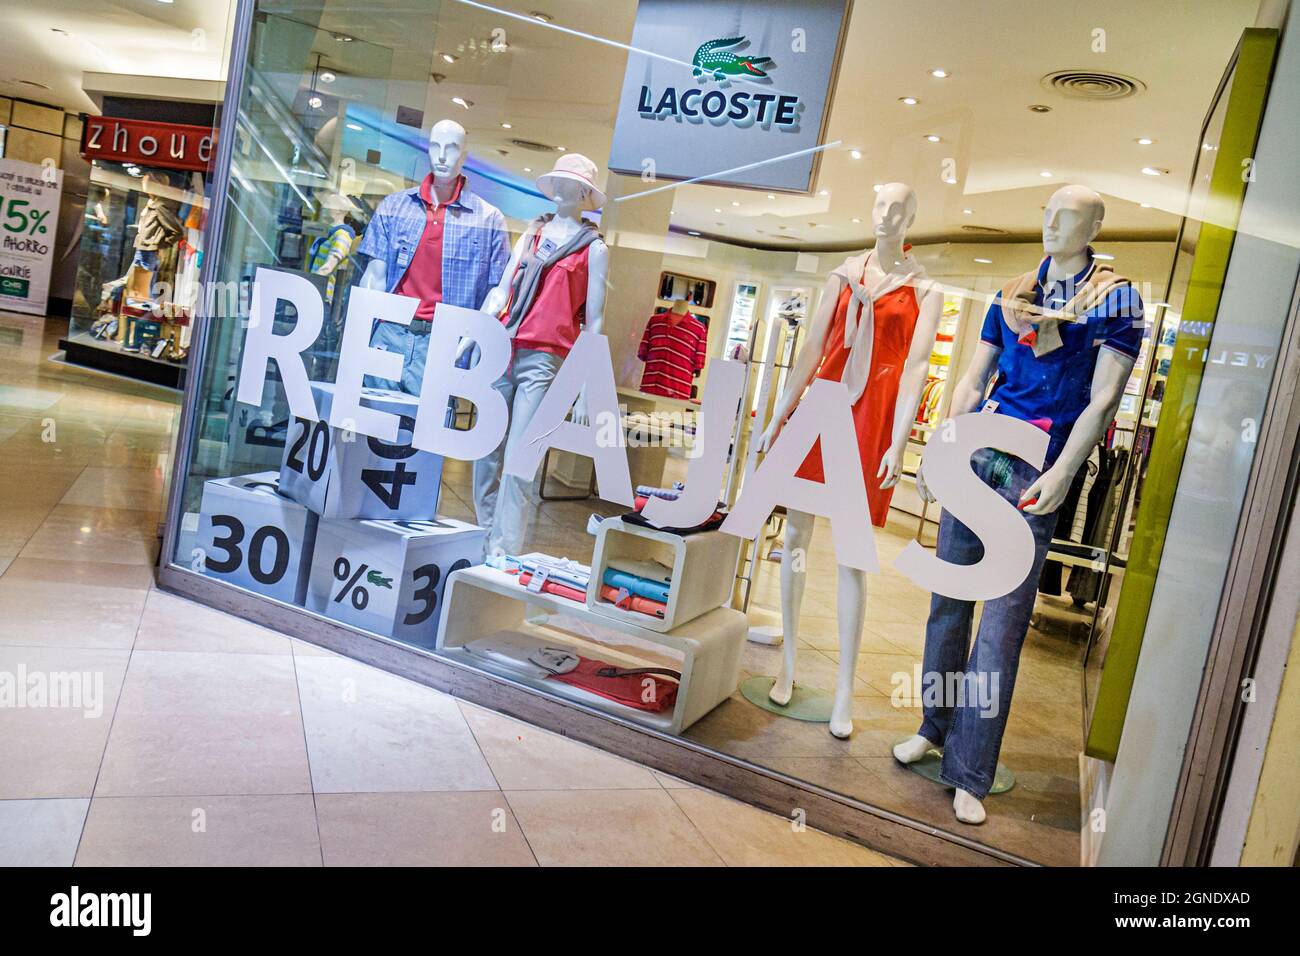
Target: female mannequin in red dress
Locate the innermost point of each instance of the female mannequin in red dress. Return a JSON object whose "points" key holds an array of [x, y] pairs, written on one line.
{"points": [[873, 330]]}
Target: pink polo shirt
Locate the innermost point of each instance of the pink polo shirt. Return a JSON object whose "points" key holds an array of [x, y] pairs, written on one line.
{"points": [[423, 277]]}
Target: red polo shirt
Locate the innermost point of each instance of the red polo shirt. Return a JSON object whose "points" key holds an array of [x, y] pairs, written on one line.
{"points": [[423, 277]]}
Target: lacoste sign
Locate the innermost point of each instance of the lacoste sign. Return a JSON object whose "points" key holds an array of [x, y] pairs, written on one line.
{"points": [[747, 108]]}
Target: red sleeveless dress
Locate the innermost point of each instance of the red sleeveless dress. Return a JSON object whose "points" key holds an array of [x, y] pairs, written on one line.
{"points": [[873, 414]]}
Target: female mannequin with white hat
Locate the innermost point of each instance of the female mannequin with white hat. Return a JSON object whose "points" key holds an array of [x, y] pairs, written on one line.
{"points": [[553, 287]]}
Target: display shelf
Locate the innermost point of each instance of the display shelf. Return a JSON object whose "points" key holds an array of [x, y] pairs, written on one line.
{"points": [[481, 600]]}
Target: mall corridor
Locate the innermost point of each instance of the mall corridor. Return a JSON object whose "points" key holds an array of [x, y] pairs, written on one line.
{"points": [[199, 738]]}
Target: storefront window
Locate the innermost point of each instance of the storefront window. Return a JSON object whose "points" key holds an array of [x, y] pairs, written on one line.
{"points": [[714, 366]]}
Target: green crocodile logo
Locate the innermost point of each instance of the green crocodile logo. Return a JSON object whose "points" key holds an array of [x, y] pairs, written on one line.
{"points": [[379, 581], [712, 60]]}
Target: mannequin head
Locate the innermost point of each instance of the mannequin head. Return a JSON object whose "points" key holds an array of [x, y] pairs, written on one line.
{"points": [[1071, 221], [446, 150], [893, 212]]}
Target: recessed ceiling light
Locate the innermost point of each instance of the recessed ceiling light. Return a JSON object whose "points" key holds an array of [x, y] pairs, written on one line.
{"points": [[541, 17], [342, 37], [528, 169], [506, 126], [1153, 171], [315, 102], [462, 102], [448, 57], [354, 126], [987, 262], [823, 192], [1144, 141], [855, 219], [771, 195], [1039, 108], [692, 232], [855, 153], [1145, 205], [717, 210], [908, 100], [562, 148], [735, 202], [876, 187], [328, 77], [1046, 174], [939, 74], [933, 138], [968, 212]]}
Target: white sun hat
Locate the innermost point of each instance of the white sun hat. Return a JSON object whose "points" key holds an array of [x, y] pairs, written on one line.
{"points": [[579, 168]]}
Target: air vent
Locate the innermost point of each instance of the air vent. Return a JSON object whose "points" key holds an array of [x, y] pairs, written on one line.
{"points": [[533, 145], [985, 231], [1093, 85]]}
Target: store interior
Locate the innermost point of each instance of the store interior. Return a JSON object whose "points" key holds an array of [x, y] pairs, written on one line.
{"points": [[1122, 101]]}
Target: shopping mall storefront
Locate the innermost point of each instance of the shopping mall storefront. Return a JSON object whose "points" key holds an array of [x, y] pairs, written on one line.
{"points": [[698, 379]]}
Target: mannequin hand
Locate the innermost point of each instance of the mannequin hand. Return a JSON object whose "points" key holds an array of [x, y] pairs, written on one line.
{"points": [[1050, 489], [580, 411], [890, 469], [922, 488], [768, 438], [464, 348]]}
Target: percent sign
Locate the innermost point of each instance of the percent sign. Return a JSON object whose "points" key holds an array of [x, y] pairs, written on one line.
{"points": [[37, 218], [343, 572]]}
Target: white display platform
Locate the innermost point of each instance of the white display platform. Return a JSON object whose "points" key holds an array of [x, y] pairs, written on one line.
{"points": [[481, 600]]}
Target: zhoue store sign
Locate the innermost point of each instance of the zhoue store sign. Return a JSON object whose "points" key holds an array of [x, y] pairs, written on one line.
{"points": [[145, 143], [734, 92]]}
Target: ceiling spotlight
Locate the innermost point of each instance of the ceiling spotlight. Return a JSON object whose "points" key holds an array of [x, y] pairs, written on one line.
{"points": [[328, 77], [1144, 141], [342, 37], [968, 212], [855, 219], [908, 100], [876, 187], [932, 138], [940, 74], [1145, 205], [735, 202], [1153, 171], [1039, 108], [506, 126], [823, 192], [448, 57], [562, 148], [315, 102], [528, 169], [462, 102], [1046, 174], [717, 210], [541, 17], [986, 262], [771, 195], [855, 153]]}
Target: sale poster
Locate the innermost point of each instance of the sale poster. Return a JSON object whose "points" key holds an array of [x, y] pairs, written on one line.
{"points": [[29, 214]]}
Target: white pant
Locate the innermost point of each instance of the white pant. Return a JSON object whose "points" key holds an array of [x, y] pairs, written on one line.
{"points": [[499, 501]]}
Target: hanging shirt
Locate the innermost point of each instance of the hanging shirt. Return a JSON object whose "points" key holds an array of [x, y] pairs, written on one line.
{"points": [[1053, 389], [674, 349], [475, 246]]}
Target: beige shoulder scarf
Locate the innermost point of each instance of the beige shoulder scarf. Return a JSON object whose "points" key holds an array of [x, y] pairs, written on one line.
{"points": [[1039, 328]]}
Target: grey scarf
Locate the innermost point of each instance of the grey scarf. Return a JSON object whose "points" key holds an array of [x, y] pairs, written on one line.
{"points": [[528, 273]]}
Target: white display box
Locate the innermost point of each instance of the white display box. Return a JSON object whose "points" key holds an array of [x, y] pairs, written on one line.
{"points": [[253, 537], [703, 570], [387, 577], [350, 475]]}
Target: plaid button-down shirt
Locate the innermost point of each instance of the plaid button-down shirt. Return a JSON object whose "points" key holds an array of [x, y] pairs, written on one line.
{"points": [[475, 245]]}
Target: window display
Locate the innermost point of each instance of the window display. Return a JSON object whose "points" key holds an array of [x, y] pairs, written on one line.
{"points": [[906, 403]]}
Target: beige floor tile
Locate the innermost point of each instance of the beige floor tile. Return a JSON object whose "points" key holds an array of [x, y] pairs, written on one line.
{"points": [[55, 751], [524, 757], [113, 535], [193, 723], [40, 832], [274, 830], [139, 489], [420, 829], [172, 623], [71, 603], [609, 828], [369, 731], [745, 836]]}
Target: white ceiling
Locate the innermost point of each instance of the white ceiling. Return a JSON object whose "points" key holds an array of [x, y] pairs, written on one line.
{"points": [[184, 39], [562, 90]]}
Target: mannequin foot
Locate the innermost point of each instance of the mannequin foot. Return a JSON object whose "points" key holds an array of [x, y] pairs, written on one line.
{"points": [[842, 720], [782, 690], [968, 808], [913, 749]]}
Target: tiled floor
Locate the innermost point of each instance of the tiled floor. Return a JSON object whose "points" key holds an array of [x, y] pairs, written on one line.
{"points": [[197, 738]]}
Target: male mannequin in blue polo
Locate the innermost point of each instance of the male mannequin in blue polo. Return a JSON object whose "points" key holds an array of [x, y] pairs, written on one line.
{"points": [[436, 242], [1062, 340]]}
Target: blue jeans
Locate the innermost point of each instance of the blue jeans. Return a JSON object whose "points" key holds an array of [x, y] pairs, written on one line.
{"points": [[969, 726], [412, 346]]}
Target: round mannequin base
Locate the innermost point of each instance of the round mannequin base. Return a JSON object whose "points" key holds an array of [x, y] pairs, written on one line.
{"points": [[768, 634], [928, 767], [806, 703]]}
